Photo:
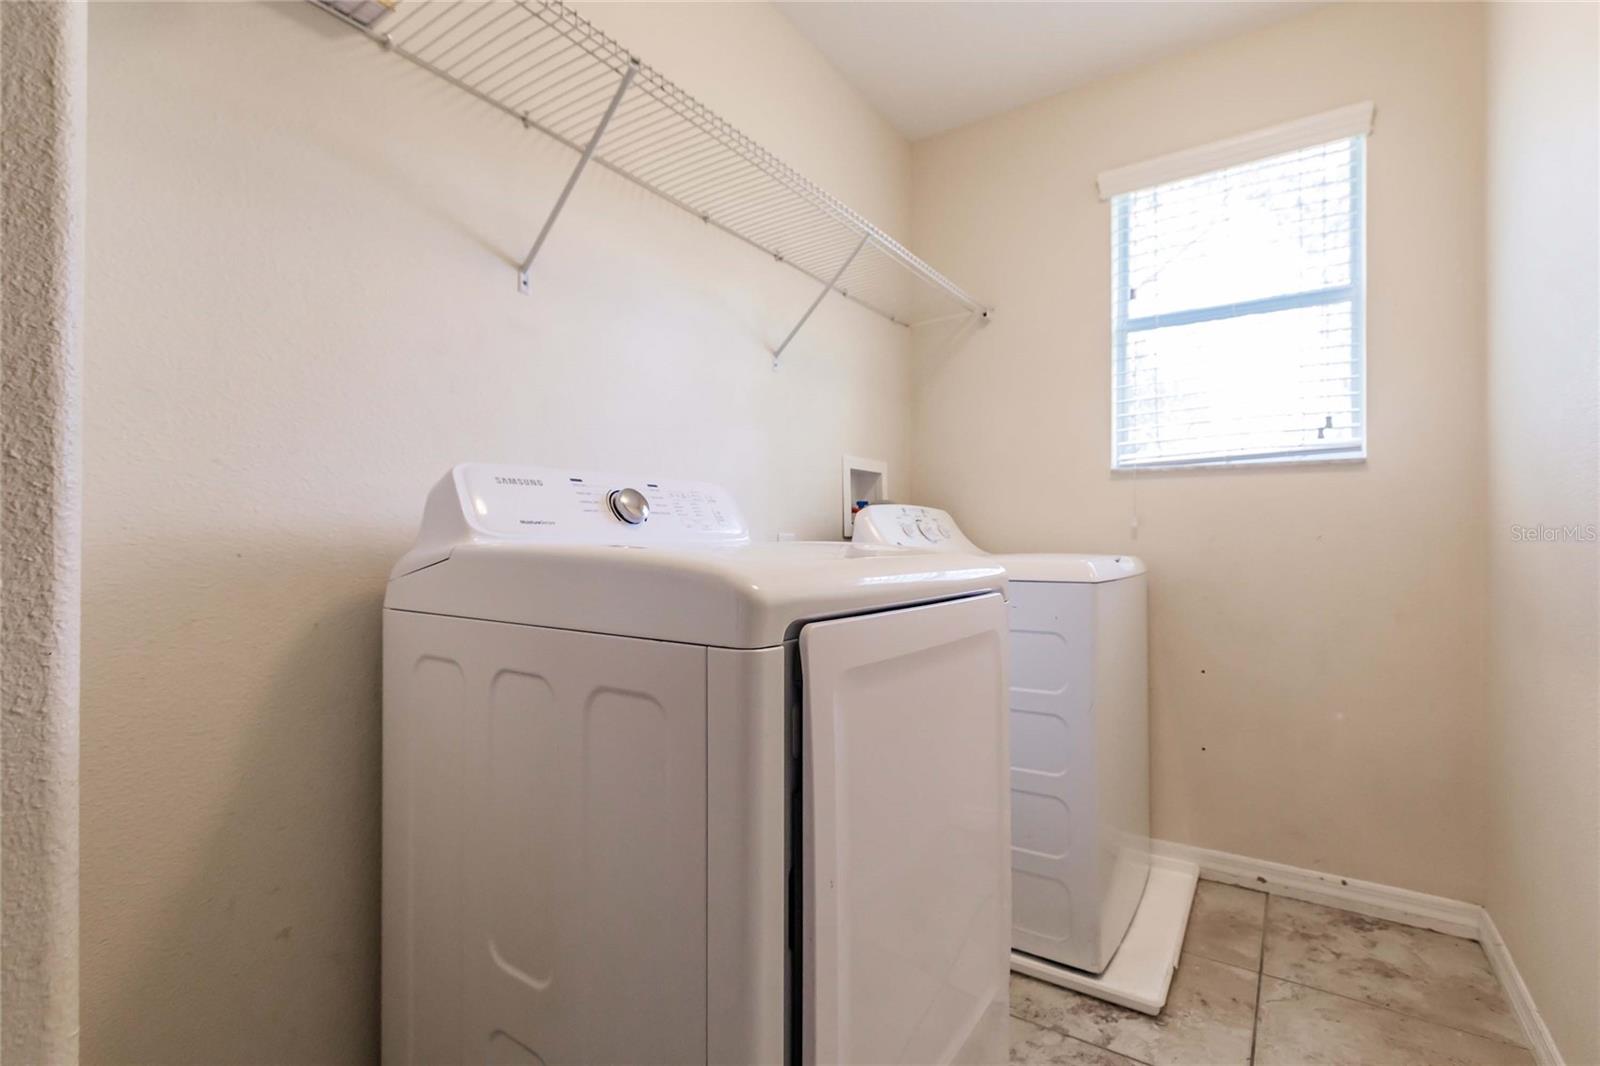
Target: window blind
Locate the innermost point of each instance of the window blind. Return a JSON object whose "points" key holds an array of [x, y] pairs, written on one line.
{"points": [[1238, 299]]}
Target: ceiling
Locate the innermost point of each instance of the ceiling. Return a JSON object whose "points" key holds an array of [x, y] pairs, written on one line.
{"points": [[930, 67]]}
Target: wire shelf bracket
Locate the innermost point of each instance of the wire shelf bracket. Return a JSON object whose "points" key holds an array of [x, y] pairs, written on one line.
{"points": [[777, 353], [577, 172], [553, 71]]}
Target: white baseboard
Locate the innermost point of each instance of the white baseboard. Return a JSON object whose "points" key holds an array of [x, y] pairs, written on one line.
{"points": [[1540, 1042], [1364, 897], [1402, 905]]}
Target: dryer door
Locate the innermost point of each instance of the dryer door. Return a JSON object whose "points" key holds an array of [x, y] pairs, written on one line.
{"points": [[906, 831]]}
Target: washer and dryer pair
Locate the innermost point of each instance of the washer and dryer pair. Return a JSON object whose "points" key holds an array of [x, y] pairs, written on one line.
{"points": [[652, 793], [1090, 911]]}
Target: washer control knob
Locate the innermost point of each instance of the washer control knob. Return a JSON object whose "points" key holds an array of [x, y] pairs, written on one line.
{"points": [[926, 528], [629, 505]]}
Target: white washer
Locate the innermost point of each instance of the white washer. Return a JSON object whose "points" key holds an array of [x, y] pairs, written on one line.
{"points": [[1080, 765], [655, 794]]}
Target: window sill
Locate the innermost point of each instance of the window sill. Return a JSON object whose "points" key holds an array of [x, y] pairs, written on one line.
{"points": [[1265, 462]]}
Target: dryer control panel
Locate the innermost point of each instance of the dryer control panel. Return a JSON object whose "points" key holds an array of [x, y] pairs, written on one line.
{"points": [[899, 525], [483, 502], [580, 506]]}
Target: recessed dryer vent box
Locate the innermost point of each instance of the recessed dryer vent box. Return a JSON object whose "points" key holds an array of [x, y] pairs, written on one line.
{"points": [[864, 481]]}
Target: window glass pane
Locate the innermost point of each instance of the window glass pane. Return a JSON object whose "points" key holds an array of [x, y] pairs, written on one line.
{"points": [[1237, 313], [1260, 384], [1281, 225]]}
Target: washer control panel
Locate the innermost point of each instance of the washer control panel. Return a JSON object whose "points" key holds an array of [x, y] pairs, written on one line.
{"points": [[551, 505], [901, 525]]}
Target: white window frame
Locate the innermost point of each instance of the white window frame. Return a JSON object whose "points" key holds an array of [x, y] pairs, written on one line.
{"points": [[1341, 124]]}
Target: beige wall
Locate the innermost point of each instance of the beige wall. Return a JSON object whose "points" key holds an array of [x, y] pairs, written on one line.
{"points": [[1316, 632], [302, 310], [1543, 850]]}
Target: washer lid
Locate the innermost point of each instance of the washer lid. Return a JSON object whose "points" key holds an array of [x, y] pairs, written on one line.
{"points": [[928, 528], [638, 555], [1080, 569]]}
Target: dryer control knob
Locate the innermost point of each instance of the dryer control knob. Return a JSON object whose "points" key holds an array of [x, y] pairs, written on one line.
{"points": [[629, 505]]}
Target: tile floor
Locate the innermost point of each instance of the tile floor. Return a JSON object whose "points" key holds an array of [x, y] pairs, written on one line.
{"points": [[1272, 981]]}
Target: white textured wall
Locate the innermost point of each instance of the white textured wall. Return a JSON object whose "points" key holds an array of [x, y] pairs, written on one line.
{"points": [[42, 68], [302, 311], [1316, 632], [1543, 848]]}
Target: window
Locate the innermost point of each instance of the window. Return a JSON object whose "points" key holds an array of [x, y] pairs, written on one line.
{"points": [[1237, 306]]}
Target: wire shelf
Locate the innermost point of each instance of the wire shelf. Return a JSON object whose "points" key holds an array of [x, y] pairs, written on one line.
{"points": [[555, 72]]}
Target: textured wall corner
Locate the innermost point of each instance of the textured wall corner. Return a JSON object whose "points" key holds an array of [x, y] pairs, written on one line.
{"points": [[42, 79]]}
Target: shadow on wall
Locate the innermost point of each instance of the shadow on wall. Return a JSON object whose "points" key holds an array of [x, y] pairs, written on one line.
{"points": [[389, 93], [938, 343], [516, 177], [260, 942]]}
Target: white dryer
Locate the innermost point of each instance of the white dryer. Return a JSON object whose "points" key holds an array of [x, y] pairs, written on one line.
{"points": [[1080, 766], [652, 793]]}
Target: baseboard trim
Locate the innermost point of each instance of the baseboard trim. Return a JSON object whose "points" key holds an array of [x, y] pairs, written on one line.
{"points": [[1540, 1042], [1439, 913], [1364, 897]]}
